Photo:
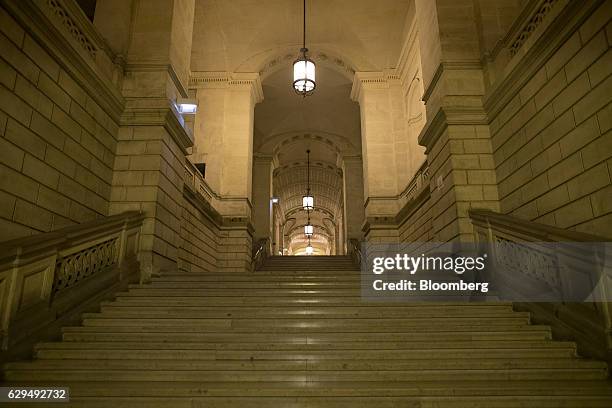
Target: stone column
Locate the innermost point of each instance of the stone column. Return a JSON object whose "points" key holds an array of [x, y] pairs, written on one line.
{"points": [[383, 135], [456, 134], [354, 215], [224, 141], [150, 157], [262, 194]]}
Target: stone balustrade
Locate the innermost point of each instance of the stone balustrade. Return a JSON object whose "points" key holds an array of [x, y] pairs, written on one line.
{"points": [[587, 323], [47, 278]]}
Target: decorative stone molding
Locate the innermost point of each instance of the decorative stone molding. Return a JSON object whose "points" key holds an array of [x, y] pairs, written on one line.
{"points": [[448, 66], [536, 19], [59, 10], [247, 81], [158, 66], [157, 112], [372, 80], [326, 57], [450, 116]]}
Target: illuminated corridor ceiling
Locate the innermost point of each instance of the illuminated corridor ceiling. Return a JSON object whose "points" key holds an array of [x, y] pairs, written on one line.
{"points": [[245, 35], [265, 36]]}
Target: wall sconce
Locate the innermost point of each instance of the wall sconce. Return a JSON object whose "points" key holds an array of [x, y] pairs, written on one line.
{"points": [[187, 106], [274, 200]]}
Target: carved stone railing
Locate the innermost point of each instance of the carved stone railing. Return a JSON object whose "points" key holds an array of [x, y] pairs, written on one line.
{"points": [[261, 251], [47, 279], [587, 323], [194, 180], [354, 250], [418, 183]]}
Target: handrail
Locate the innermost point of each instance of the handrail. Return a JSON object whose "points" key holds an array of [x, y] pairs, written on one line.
{"points": [[354, 249], [418, 182], [589, 324], [45, 277], [261, 252]]}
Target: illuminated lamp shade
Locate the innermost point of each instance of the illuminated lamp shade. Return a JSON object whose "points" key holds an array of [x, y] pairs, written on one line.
{"points": [[304, 75], [308, 230], [308, 202], [309, 250]]}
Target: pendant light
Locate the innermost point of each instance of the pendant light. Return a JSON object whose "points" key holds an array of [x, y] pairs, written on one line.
{"points": [[308, 199], [304, 68], [309, 249], [308, 228]]}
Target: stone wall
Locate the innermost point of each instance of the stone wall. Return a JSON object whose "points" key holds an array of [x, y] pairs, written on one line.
{"points": [[552, 142], [416, 226], [57, 145], [199, 240]]}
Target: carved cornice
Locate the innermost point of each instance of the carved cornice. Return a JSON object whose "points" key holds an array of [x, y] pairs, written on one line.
{"points": [[372, 80], [157, 66], [152, 115], [450, 116], [467, 65], [247, 81]]}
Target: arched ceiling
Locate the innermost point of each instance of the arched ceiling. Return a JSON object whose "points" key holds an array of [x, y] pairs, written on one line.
{"points": [[290, 184], [328, 114], [243, 35]]}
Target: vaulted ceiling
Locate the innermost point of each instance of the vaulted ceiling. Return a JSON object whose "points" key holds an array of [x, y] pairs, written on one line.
{"points": [[265, 36], [243, 35]]}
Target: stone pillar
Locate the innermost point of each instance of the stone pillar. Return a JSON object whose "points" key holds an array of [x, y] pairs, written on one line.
{"points": [[150, 157], [456, 134], [262, 194], [223, 132], [383, 133], [354, 215]]}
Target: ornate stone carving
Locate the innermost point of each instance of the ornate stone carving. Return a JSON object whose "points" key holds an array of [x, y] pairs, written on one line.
{"points": [[74, 268], [533, 23], [60, 12], [527, 261]]}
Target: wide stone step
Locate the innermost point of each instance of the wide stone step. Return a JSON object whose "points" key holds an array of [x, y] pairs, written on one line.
{"points": [[257, 277], [316, 343], [348, 301], [121, 309], [93, 373], [94, 352], [345, 365], [529, 333], [511, 401], [315, 324], [340, 389], [151, 290], [502, 319], [335, 402], [250, 285]]}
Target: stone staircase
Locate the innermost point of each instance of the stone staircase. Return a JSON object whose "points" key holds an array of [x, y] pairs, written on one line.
{"points": [[296, 334]]}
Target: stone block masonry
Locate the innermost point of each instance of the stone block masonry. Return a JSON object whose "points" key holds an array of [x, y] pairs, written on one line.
{"points": [[553, 144], [57, 143]]}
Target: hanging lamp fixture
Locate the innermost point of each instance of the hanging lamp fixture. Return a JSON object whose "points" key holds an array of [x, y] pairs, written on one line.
{"points": [[309, 249], [308, 228], [304, 68], [308, 199]]}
